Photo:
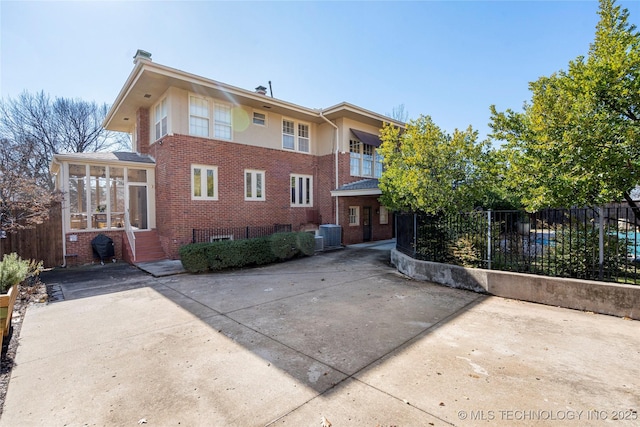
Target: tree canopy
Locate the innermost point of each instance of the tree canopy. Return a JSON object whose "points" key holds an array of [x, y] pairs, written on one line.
{"points": [[37, 127], [577, 141], [429, 170]]}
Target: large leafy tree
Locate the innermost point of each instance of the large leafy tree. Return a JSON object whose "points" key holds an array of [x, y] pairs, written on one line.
{"points": [[577, 142], [429, 170]]}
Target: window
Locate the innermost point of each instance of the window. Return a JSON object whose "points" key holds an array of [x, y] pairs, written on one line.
{"points": [[222, 121], [288, 135], [354, 148], [161, 119], [303, 138], [198, 116], [77, 196], [301, 190], [295, 136], [354, 215], [204, 182], [364, 160], [96, 195], [254, 185], [367, 160], [384, 215], [259, 118]]}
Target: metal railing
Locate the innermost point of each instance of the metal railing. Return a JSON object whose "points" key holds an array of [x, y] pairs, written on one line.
{"points": [[130, 235], [596, 244], [237, 233]]}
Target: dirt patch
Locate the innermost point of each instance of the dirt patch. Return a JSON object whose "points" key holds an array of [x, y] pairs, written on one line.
{"points": [[30, 293]]}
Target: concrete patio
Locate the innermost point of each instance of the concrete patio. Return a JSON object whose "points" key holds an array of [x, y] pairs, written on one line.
{"points": [[340, 335]]}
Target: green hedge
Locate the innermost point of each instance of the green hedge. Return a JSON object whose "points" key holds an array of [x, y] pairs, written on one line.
{"points": [[199, 257]]}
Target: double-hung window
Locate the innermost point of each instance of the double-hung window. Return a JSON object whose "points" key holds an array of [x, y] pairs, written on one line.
{"points": [[301, 190], [254, 185], [204, 182], [288, 135], [160, 119], [303, 138], [222, 121], [295, 136], [354, 215], [198, 116]]}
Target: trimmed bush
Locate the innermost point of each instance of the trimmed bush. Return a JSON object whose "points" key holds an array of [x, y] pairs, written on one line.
{"points": [[215, 256]]}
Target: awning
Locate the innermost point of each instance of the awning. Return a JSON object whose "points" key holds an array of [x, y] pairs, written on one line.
{"points": [[367, 138]]}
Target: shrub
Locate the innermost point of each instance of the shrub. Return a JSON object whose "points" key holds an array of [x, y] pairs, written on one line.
{"points": [[14, 270], [199, 257]]}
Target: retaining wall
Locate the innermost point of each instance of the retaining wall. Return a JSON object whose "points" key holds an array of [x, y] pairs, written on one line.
{"points": [[600, 297]]}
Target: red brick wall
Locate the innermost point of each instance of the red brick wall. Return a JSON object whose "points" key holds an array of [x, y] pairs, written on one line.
{"points": [[82, 248], [177, 214], [354, 234], [326, 183]]}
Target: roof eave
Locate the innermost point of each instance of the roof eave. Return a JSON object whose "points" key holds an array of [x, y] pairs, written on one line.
{"points": [[363, 192]]}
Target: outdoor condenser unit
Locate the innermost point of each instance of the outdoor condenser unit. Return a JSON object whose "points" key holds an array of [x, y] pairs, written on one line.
{"points": [[332, 235]]}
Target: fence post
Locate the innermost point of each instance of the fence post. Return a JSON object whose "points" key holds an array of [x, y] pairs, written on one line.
{"points": [[415, 234], [601, 242], [489, 239]]}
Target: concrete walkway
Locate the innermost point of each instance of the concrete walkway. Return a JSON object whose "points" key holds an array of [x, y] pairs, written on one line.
{"points": [[340, 335]]}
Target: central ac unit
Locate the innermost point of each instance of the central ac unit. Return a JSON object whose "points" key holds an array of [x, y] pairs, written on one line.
{"points": [[332, 235]]}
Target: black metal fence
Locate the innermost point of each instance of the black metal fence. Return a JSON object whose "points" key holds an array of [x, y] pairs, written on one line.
{"points": [[237, 233], [596, 244]]}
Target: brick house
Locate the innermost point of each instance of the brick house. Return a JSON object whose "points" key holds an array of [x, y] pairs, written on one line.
{"points": [[209, 155]]}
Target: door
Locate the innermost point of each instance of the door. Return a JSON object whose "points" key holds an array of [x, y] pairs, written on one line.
{"points": [[366, 223], [138, 206]]}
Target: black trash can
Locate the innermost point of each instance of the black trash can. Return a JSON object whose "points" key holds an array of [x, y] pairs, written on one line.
{"points": [[103, 248]]}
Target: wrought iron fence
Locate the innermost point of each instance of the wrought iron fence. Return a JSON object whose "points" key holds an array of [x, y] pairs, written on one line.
{"points": [[237, 233], [596, 244]]}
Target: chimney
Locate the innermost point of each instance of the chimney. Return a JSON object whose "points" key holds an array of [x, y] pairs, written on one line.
{"points": [[141, 54], [261, 90]]}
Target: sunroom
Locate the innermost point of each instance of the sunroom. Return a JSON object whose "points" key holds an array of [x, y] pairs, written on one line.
{"points": [[104, 193]]}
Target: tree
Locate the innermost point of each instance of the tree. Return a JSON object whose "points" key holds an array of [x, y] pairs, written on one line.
{"points": [[37, 127], [399, 113], [23, 201], [430, 171], [578, 140]]}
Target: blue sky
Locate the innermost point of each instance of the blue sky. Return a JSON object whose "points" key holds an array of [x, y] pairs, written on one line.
{"points": [[450, 60]]}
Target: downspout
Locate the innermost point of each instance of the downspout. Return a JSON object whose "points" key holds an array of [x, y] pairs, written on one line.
{"points": [[337, 221], [61, 180]]}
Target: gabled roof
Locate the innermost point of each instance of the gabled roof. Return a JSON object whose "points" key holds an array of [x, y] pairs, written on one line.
{"points": [[148, 81], [364, 187]]}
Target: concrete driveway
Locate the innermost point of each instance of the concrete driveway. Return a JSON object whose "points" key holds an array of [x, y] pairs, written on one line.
{"points": [[340, 335]]}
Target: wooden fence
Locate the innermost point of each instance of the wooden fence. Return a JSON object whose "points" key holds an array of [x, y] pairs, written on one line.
{"points": [[43, 243]]}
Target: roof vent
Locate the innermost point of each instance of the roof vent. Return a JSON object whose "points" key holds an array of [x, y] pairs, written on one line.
{"points": [[141, 54], [261, 90]]}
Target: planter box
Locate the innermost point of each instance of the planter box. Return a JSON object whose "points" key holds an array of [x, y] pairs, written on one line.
{"points": [[7, 302]]}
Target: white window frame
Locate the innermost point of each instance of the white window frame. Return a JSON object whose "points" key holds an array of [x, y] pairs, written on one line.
{"points": [[384, 215], [303, 140], [254, 118], [161, 123], [354, 215], [217, 123], [299, 140], [291, 134], [301, 196], [254, 180], [203, 182], [192, 114], [358, 158]]}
